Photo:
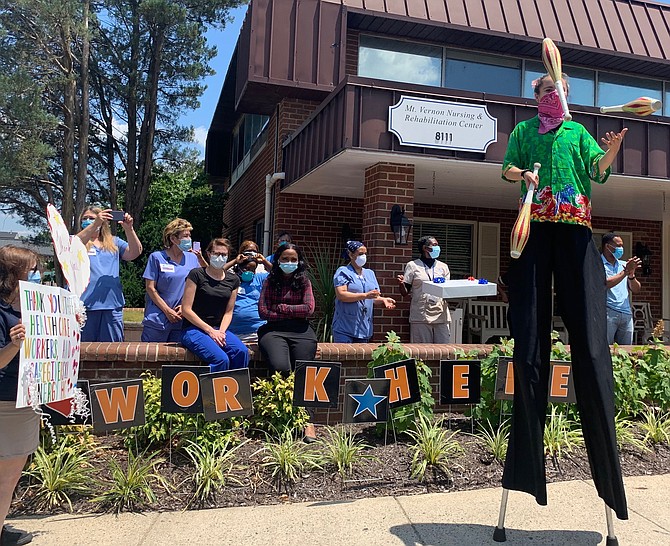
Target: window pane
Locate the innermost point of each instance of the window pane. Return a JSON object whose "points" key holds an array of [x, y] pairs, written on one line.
{"points": [[484, 73], [666, 103], [399, 61], [582, 83], [616, 89], [456, 243]]}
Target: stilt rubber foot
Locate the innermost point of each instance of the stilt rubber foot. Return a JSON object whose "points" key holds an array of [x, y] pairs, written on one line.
{"points": [[612, 541], [499, 535]]}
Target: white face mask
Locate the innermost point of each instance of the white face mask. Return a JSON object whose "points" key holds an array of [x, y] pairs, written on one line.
{"points": [[361, 260], [217, 262]]}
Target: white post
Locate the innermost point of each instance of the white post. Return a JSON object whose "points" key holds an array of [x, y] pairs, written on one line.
{"points": [[269, 183]]}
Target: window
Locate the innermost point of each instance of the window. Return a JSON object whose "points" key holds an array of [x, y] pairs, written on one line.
{"points": [[618, 89], [483, 73], [400, 61], [456, 241], [581, 82], [259, 228], [248, 139]]}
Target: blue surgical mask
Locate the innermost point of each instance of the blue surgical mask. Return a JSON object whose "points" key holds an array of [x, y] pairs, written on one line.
{"points": [[246, 276], [185, 245], [217, 262], [618, 252], [34, 276], [435, 251], [289, 267], [86, 223]]}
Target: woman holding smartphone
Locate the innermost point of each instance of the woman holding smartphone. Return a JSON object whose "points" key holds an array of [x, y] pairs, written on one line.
{"points": [[19, 427], [207, 308], [103, 297]]}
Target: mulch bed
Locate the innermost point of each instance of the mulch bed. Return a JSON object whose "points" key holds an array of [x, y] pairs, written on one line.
{"points": [[385, 473]]}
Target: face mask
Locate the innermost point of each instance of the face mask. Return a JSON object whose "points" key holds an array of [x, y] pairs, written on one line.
{"points": [[34, 276], [288, 268], [246, 276], [617, 252], [361, 260], [550, 105], [217, 262], [185, 245], [435, 251], [282, 243], [86, 223]]}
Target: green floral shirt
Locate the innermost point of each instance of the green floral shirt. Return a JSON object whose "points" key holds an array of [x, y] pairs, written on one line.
{"points": [[569, 157]]}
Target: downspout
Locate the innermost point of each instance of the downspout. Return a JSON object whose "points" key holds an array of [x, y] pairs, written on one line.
{"points": [[269, 184]]}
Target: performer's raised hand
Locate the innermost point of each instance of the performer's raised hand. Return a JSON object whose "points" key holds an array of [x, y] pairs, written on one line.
{"points": [[613, 140]]}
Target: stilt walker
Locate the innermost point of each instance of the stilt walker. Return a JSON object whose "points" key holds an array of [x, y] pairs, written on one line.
{"points": [[560, 249]]}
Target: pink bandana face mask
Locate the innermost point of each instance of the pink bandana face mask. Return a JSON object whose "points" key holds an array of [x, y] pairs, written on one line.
{"points": [[550, 112]]}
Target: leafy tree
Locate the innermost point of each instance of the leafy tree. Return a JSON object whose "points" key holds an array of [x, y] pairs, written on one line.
{"points": [[180, 192], [141, 61]]}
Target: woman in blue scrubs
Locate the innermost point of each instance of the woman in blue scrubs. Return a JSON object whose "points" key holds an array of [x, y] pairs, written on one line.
{"points": [[103, 297], [356, 291], [164, 278], [246, 320]]}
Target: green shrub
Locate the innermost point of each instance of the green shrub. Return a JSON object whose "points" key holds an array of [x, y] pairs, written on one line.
{"points": [[433, 449], [495, 440], [656, 425], [287, 459], [561, 435], [404, 418], [342, 450], [214, 467], [133, 487], [160, 427], [273, 405], [58, 474]]}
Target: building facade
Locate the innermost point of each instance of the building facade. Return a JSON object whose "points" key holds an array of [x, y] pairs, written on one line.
{"points": [[310, 90]]}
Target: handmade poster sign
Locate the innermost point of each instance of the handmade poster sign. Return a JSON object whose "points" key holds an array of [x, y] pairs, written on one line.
{"points": [[180, 389], [71, 253], [366, 400], [404, 388], [226, 394], [49, 356], [317, 384], [460, 381], [117, 405], [64, 412]]}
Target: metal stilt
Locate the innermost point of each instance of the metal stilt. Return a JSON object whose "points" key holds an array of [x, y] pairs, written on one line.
{"points": [[611, 537], [499, 531]]}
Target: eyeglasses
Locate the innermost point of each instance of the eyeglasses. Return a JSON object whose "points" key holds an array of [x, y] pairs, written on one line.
{"points": [[219, 254]]}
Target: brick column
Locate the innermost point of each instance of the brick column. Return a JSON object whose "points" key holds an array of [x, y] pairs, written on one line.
{"points": [[388, 184]]}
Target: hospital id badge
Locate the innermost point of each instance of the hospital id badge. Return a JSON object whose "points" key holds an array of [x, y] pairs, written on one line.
{"points": [[433, 300]]}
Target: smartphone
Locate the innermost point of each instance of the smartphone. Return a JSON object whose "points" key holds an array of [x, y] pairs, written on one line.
{"points": [[118, 215], [196, 246]]}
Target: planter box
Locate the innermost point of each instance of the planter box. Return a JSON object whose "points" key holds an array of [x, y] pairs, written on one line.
{"points": [[459, 289]]}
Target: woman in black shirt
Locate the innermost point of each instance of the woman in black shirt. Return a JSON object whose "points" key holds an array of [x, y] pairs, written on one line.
{"points": [[207, 308], [19, 428]]}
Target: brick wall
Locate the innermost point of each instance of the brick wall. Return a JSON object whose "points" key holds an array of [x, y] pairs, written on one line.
{"points": [[388, 184]]}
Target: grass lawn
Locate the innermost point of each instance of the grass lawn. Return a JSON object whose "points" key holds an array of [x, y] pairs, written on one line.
{"points": [[133, 315]]}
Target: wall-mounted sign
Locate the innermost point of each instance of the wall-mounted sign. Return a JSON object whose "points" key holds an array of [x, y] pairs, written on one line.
{"points": [[441, 124]]}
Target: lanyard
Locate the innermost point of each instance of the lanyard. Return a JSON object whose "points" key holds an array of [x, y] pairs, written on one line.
{"points": [[428, 274]]}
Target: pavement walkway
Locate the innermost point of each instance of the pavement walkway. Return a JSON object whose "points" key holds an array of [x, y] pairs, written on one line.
{"points": [[575, 516]]}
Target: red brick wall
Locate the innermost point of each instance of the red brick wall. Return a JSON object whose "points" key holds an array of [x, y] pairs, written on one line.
{"points": [[388, 184]]}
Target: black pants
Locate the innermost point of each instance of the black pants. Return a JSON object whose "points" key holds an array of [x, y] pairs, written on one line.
{"points": [[567, 253], [285, 341]]}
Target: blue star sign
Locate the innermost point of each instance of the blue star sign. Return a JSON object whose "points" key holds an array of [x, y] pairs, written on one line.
{"points": [[367, 401]]}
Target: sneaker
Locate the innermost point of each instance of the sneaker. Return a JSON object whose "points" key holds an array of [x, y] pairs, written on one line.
{"points": [[310, 434], [14, 538]]}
